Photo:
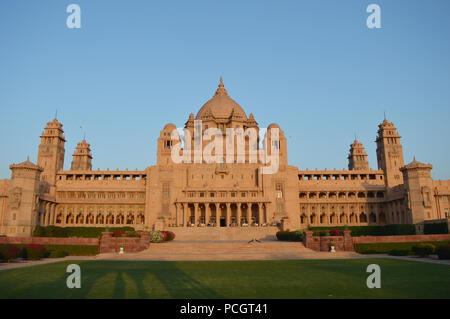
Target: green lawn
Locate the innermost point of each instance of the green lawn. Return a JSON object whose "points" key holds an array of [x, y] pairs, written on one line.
{"points": [[229, 279]]}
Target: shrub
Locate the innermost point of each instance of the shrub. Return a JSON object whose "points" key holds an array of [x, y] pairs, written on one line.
{"points": [[399, 252], [170, 236], [164, 235], [298, 235], [93, 232], [437, 228], [443, 252], [9, 252], [336, 232], [387, 230], [384, 248], [282, 235], [119, 233], [290, 235], [74, 250], [321, 233], [82, 232], [156, 236], [33, 252], [39, 232], [423, 250], [132, 234], [57, 253]]}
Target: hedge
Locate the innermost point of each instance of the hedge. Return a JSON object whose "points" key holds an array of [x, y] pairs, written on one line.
{"points": [[385, 248], [423, 250], [34, 252], [443, 252], [399, 252], [438, 228], [74, 250], [290, 235], [9, 252], [386, 230], [82, 232], [58, 253], [71, 250]]}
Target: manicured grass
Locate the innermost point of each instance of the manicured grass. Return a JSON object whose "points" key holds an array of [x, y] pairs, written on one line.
{"points": [[385, 248], [229, 279]]}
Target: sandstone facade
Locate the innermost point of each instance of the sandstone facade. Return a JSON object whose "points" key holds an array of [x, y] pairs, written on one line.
{"points": [[195, 193]]}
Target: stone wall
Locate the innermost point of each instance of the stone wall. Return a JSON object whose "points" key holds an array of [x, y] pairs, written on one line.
{"points": [[399, 239], [50, 241], [321, 243], [109, 244]]}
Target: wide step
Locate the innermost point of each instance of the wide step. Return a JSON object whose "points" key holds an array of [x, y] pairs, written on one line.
{"points": [[201, 234]]}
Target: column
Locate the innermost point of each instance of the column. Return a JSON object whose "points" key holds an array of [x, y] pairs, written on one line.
{"points": [[51, 216], [54, 215], [179, 214], [195, 214], [218, 213], [208, 213], [185, 212], [49, 212], [239, 213], [260, 218], [42, 215], [228, 215], [249, 214]]}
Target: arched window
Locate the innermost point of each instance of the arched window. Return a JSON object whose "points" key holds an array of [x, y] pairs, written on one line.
{"points": [[80, 219], [100, 219]]}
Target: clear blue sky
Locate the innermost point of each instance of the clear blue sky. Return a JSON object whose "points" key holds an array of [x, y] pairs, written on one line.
{"points": [[313, 67]]}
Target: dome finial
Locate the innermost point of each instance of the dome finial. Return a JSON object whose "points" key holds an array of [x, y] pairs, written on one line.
{"points": [[221, 90]]}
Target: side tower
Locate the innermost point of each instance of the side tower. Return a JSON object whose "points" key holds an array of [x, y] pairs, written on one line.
{"points": [[390, 153], [357, 159], [23, 199], [82, 157], [419, 191], [51, 154], [165, 144]]}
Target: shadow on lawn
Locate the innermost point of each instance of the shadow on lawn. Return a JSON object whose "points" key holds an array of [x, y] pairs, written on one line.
{"points": [[177, 283]]}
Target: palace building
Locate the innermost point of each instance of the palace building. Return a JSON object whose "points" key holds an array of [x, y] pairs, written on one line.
{"points": [[196, 193]]}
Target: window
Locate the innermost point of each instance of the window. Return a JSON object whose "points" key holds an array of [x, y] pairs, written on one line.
{"points": [[202, 194]]}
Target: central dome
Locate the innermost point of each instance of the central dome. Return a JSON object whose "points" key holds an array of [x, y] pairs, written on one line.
{"points": [[221, 106]]}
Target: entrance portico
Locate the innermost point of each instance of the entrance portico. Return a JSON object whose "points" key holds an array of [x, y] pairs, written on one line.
{"points": [[220, 214]]}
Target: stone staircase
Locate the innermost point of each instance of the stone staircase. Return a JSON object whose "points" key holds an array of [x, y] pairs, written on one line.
{"points": [[225, 244], [221, 250], [245, 234]]}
